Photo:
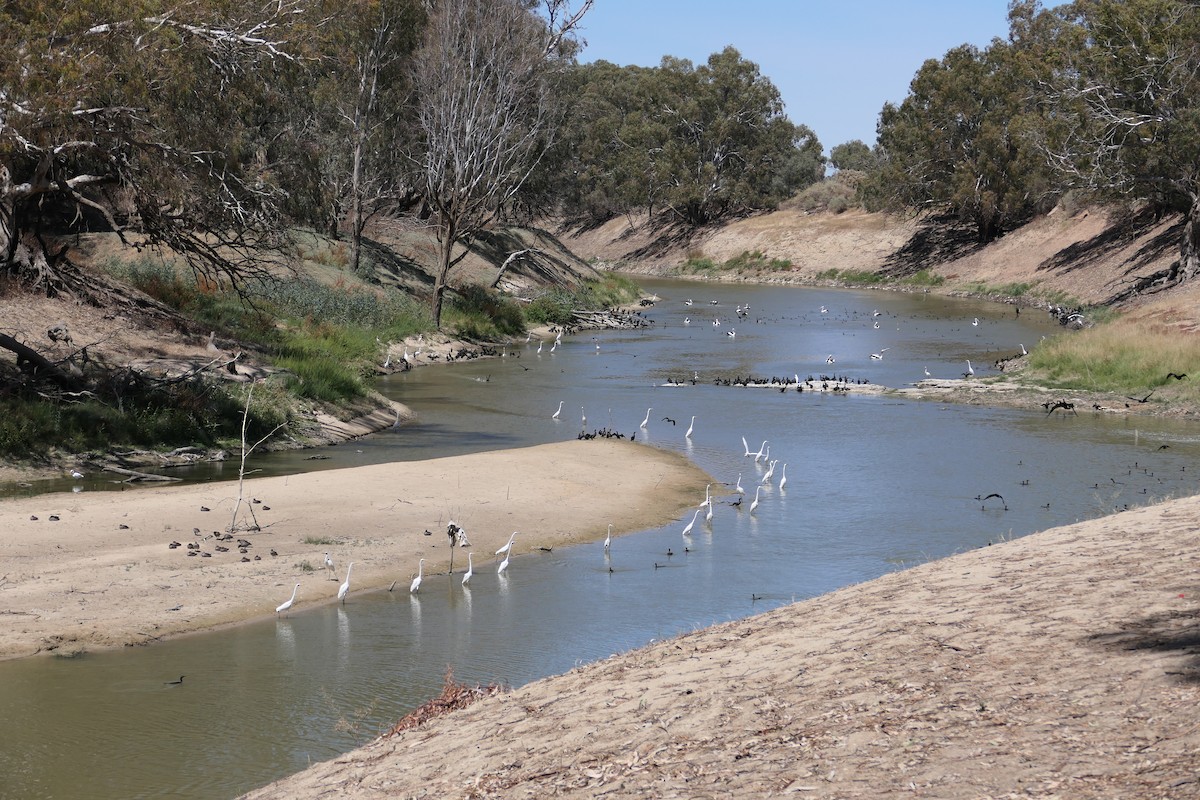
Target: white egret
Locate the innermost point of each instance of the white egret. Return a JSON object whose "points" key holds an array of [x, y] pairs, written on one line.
{"points": [[329, 568], [691, 427], [754, 505], [503, 564], [688, 528], [416, 584], [608, 538], [508, 546], [646, 421], [556, 413], [345, 587], [470, 571], [738, 489], [783, 478], [279, 609]]}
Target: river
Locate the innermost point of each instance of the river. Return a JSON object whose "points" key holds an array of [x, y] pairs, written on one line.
{"points": [[873, 484]]}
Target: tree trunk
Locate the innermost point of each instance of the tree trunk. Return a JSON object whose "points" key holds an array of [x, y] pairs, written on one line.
{"points": [[449, 235], [1189, 251]]}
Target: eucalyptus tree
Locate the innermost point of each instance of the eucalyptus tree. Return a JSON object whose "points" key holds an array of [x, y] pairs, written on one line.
{"points": [[730, 141], [965, 139], [362, 113], [168, 119], [1126, 86], [485, 110]]}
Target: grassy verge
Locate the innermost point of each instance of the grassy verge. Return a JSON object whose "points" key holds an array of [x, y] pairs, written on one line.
{"points": [[746, 261], [1123, 356]]}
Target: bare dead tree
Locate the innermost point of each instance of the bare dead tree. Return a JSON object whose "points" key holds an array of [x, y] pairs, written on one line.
{"points": [[486, 111]]}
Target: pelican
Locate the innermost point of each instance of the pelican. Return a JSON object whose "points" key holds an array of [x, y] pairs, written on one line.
{"points": [[646, 421], [707, 498], [279, 609], [416, 584], [738, 489], [783, 479], [754, 505], [503, 564], [345, 587], [970, 373], [688, 528], [691, 427], [508, 546], [556, 413], [608, 538], [470, 570]]}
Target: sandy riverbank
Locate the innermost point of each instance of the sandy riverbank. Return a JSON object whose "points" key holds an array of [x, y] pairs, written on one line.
{"points": [[102, 574], [1065, 664]]}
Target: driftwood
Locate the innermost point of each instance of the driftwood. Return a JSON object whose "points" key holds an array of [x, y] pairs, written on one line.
{"points": [[41, 366], [135, 476]]}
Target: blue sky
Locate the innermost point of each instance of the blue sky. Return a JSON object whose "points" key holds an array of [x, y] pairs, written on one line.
{"points": [[835, 62]]}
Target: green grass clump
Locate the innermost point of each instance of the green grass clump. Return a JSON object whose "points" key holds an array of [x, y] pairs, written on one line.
{"points": [[1125, 356], [746, 261], [853, 277], [924, 278]]}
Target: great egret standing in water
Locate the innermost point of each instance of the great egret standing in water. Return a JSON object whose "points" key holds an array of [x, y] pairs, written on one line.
{"points": [[345, 587], [506, 548], [279, 609], [416, 584]]}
